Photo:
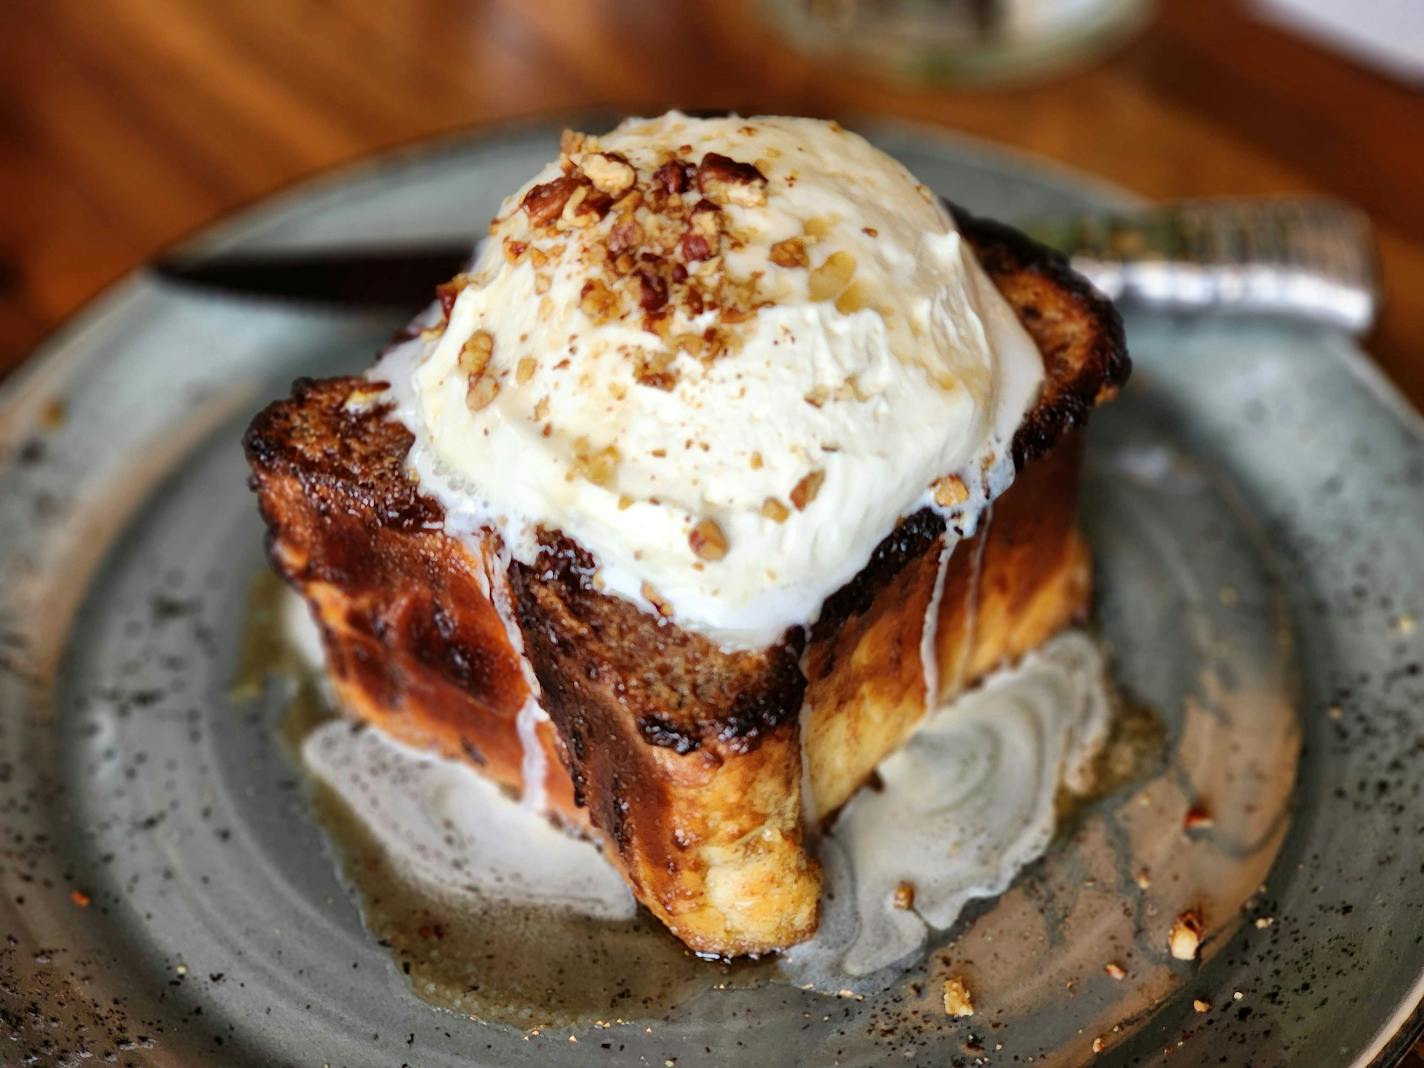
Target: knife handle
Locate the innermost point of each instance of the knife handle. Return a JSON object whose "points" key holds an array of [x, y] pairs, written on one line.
{"points": [[1302, 257]]}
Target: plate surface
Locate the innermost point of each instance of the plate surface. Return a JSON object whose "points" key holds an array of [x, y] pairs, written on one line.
{"points": [[1256, 505]]}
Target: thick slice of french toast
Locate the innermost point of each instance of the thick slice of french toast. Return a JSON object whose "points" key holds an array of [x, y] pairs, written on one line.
{"points": [[685, 760]]}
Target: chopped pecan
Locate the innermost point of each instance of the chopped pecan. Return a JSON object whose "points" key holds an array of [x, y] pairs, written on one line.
{"points": [[625, 235], [598, 302], [448, 292], [728, 181], [774, 510], [475, 353], [674, 176], [652, 368], [609, 172], [481, 391], [696, 247], [1186, 934], [807, 489], [790, 253], [708, 541], [545, 203], [597, 465], [652, 289], [571, 142]]}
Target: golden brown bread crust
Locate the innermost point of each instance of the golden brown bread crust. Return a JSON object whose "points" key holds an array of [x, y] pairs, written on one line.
{"points": [[684, 758]]}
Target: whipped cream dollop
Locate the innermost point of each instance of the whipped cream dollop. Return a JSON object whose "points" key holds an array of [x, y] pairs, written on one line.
{"points": [[725, 356]]}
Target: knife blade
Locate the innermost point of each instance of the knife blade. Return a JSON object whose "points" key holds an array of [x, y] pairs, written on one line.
{"points": [[1301, 257]]}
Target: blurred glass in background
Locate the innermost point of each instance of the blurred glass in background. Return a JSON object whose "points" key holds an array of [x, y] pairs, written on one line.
{"points": [[948, 41]]}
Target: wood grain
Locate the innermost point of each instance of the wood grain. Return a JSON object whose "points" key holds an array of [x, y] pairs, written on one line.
{"points": [[125, 124]]}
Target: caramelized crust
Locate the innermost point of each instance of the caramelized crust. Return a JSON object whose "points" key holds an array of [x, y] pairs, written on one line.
{"points": [[683, 759]]}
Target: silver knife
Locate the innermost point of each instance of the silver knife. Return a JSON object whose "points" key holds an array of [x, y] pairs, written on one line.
{"points": [[1309, 258]]}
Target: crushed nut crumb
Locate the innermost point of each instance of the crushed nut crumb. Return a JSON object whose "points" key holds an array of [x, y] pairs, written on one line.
{"points": [[1201, 1005], [609, 172], [957, 999], [708, 541], [790, 253], [774, 510], [1114, 969], [904, 896], [524, 370], [950, 491], [728, 181], [807, 489], [1185, 937]]}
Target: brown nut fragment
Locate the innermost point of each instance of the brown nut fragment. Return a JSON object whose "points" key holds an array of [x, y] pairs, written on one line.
{"points": [[448, 292], [524, 370], [655, 369], [774, 510], [1098, 1044], [708, 541], [904, 896], [650, 594], [475, 353], [790, 253], [481, 392], [585, 207], [571, 142], [597, 465], [728, 181], [652, 289], [950, 491], [1185, 937], [609, 172], [544, 204], [831, 278], [957, 999], [1201, 1005], [807, 489], [674, 176], [1114, 969], [598, 302], [696, 247], [514, 249], [624, 236]]}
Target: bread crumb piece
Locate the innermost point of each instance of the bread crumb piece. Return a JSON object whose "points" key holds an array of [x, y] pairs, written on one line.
{"points": [[957, 1000], [1200, 1005], [1185, 938], [1115, 970]]}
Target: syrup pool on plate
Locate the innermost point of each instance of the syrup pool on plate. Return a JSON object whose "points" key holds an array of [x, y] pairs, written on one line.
{"points": [[490, 911]]}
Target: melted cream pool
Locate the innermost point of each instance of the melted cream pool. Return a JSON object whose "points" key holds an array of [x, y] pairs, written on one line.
{"points": [[486, 907]]}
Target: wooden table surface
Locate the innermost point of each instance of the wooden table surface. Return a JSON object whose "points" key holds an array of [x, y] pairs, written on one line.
{"points": [[126, 123]]}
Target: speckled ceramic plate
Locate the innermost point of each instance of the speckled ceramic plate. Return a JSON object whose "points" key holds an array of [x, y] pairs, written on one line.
{"points": [[1256, 506]]}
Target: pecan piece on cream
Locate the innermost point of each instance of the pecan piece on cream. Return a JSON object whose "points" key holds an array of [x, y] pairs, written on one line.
{"points": [[807, 489], [624, 236], [728, 181], [545, 203], [598, 302], [790, 253], [609, 172], [652, 289], [708, 541], [674, 176], [1186, 935]]}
